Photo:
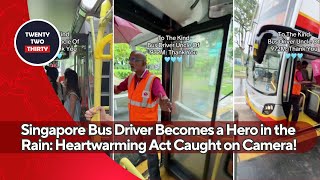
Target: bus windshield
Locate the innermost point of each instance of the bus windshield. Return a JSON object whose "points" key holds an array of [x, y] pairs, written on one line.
{"points": [[264, 77]]}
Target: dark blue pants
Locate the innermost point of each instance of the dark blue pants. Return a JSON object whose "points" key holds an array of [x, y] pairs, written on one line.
{"points": [[295, 100], [153, 166], [152, 157]]}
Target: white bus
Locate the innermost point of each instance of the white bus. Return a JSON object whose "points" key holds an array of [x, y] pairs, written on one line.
{"points": [[271, 67]]}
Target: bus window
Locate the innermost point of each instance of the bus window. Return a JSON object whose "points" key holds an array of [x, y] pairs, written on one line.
{"points": [[264, 77], [80, 65], [194, 83], [68, 63], [121, 71]]}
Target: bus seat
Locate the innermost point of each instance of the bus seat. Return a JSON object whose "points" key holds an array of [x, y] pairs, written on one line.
{"points": [[316, 70], [313, 102]]}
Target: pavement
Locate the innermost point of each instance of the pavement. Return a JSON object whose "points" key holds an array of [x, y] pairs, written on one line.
{"points": [[272, 166]]}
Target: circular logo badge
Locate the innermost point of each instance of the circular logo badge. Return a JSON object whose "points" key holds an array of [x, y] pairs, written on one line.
{"points": [[37, 42]]}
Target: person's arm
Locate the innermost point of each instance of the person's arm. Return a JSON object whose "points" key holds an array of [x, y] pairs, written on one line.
{"points": [[157, 89], [158, 92], [123, 86], [73, 100], [299, 76], [116, 90]]}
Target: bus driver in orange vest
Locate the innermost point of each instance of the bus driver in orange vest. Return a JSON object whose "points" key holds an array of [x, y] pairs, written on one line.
{"points": [[296, 89], [145, 92]]}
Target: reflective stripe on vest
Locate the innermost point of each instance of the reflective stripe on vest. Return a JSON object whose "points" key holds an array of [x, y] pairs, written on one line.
{"points": [[130, 79], [143, 110], [144, 102], [147, 89], [139, 104], [296, 89]]}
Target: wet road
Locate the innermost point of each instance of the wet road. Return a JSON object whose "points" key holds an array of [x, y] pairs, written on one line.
{"points": [[273, 166], [292, 166], [245, 114]]}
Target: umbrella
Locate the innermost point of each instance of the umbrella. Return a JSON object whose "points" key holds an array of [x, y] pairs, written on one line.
{"points": [[124, 30]]}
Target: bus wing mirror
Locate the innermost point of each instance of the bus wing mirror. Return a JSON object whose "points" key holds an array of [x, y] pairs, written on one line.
{"points": [[260, 46]]}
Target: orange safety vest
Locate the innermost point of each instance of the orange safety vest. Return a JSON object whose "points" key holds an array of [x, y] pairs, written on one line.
{"points": [[296, 89], [143, 111]]}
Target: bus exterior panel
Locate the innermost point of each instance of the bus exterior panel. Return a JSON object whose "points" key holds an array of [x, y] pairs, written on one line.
{"points": [[257, 101], [297, 14], [308, 18]]}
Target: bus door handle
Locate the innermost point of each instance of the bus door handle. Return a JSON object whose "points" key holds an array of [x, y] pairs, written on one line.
{"points": [[304, 100], [317, 97]]}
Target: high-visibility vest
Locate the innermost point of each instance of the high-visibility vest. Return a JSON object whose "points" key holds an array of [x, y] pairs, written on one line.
{"points": [[296, 85], [143, 111]]}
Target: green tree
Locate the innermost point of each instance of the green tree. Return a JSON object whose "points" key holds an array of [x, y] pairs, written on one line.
{"points": [[121, 53], [152, 59], [237, 53], [245, 11]]}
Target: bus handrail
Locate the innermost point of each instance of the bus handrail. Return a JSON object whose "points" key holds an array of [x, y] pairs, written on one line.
{"points": [[317, 97], [126, 163], [98, 54], [216, 166], [106, 108], [304, 101], [93, 34]]}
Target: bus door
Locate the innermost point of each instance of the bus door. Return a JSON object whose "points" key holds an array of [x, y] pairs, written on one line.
{"points": [[311, 103], [289, 70], [200, 88]]}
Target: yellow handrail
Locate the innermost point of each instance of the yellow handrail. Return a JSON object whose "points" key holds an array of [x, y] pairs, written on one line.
{"points": [[216, 166], [304, 100], [273, 85], [125, 163], [106, 108], [98, 53], [318, 99], [100, 46]]}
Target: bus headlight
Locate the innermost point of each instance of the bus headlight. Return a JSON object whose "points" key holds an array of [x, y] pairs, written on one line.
{"points": [[268, 108]]}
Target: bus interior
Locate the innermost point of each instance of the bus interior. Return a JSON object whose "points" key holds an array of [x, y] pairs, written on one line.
{"points": [[200, 87], [82, 25], [310, 103]]}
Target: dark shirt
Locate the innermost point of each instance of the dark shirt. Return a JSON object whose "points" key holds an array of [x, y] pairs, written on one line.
{"points": [[305, 74]]}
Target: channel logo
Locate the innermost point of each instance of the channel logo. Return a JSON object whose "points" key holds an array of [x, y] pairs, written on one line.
{"points": [[37, 42]]}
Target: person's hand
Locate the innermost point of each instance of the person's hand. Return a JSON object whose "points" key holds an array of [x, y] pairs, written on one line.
{"points": [[116, 90], [103, 115], [165, 103]]}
